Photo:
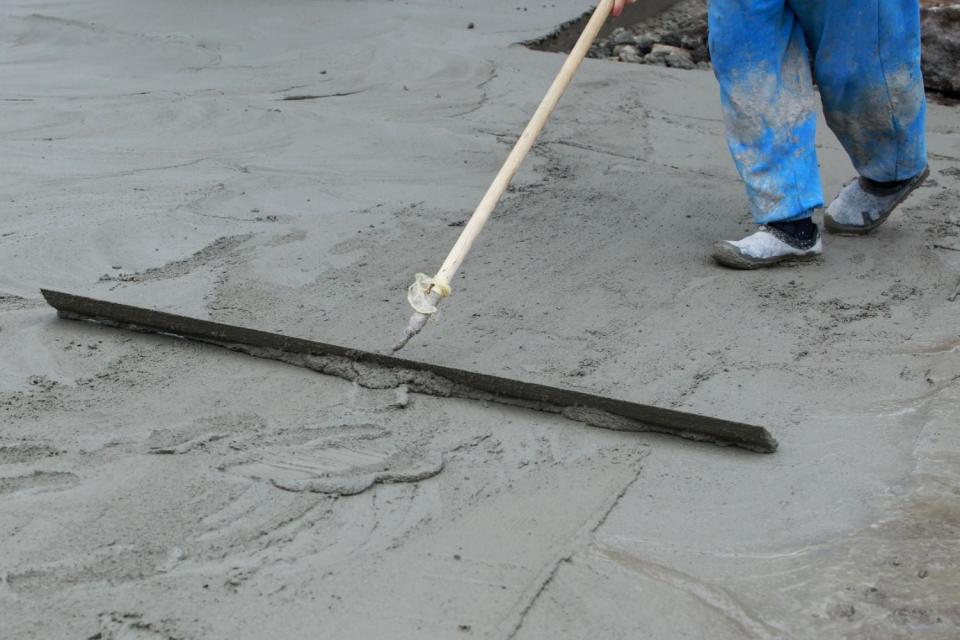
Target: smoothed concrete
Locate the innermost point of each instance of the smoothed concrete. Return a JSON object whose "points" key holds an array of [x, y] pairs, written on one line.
{"points": [[150, 158]]}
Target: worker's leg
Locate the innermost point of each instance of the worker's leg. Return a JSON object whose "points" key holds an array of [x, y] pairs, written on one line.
{"points": [[762, 63], [867, 66], [761, 60]]}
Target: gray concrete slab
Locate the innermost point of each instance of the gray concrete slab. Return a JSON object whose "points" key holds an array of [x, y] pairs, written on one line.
{"points": [[150, 157]]}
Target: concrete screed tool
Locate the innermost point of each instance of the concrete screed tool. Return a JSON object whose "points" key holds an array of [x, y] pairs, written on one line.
{"points": [[377, 370]]}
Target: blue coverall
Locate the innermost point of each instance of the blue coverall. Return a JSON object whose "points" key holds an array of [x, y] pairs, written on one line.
{"points": [[865, 56]]}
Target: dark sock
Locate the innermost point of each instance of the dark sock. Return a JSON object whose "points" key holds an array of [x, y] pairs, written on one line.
{"points": [[804, 230], [886, 186]]}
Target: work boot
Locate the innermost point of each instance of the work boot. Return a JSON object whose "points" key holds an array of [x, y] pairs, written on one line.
{"points": [[863, 205], [771, 244]]}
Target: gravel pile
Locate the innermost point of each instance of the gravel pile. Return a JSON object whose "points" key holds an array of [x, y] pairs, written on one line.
{"points": [[678, 38], [675, 38]]}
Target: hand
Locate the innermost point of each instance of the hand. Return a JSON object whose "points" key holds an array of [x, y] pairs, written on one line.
{"points": [[618, 6]]}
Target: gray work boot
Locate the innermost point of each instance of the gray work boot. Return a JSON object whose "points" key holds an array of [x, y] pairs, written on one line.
{"points": [[863, 206], [767, 246]]}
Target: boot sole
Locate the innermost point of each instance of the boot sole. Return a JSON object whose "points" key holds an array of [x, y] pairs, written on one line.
{"points": [[729, 256], [852, 230]]}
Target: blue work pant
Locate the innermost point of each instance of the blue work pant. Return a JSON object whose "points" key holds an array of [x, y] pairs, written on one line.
{"points": [[865, 56]]}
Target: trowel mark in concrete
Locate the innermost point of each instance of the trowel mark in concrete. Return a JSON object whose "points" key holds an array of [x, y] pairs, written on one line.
{"points": [[227, 434], [343, 471], [307, 96], [132, 626], [122, 564], [216, 250], [342, 459], [16, 303], [345, 461], [203, 432], [26, 452], [38, 480]]}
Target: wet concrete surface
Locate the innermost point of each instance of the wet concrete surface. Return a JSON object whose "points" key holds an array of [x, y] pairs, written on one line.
{"points": [[155, 488]]}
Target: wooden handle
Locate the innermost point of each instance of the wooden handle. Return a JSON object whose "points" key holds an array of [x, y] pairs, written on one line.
{"points": [[482, 213]]}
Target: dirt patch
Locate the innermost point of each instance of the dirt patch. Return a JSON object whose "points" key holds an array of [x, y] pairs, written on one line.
{"points": [[670, 34], [675, 35], [566, 34], [941, 47]]}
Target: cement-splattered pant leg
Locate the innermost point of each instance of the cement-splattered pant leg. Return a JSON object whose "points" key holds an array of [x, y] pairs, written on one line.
{"points": [[866, 56], [761, 59], [867, 66]]}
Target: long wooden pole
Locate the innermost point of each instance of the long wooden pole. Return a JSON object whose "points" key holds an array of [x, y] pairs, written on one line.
{"points": [[512, 164], [520, 150]]}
